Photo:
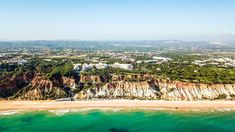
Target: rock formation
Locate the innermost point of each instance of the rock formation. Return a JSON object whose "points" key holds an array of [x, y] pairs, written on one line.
{"points": [[43, 89], [122, 89], [12, 84], [34, 87], [159, 89]]}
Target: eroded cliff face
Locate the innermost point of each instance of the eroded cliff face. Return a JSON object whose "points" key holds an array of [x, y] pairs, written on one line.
{"points": [[122, 89], [12, 84], [34, 87], [44, 89], [174, 90], [69, 82], [159, 89]]}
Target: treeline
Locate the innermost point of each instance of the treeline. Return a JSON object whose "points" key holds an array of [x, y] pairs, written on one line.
{"points": [[46, 68], [193, 73]]}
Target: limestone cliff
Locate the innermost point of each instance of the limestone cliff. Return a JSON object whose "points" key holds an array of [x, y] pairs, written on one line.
{"points": [[122, 89], [35, 87], [159, 89], [175, 90]]}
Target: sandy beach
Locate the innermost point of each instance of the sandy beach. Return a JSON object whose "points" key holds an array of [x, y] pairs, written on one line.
{"points": [[54, 105]]}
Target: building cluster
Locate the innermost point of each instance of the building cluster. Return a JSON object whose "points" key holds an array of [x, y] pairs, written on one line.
{"points": [[19, 61], [156, 59], [84, 67], [122, 66], [223, 62], [19, 56], [125, 56]]}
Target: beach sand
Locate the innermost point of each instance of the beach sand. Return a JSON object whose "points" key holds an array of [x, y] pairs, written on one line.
{"points": [[54, 105]]}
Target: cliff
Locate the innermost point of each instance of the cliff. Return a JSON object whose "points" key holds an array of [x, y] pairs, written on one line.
{"points": [[34, 87], [159, 89], [122, 89], [175, 90], [44, 89], [12, 84]]}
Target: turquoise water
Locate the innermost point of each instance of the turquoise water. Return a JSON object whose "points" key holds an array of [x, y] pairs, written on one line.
{"points": [[119, 121]]}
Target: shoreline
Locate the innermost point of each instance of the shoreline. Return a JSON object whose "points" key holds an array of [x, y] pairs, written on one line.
{"points": [[124, 104]]}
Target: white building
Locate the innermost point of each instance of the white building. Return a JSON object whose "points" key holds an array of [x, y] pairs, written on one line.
{"points": [[123, 66], [87, 67], [101, 66], [162, 58]]}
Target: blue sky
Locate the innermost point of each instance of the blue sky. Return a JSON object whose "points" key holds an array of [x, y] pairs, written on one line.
{"points": [[117, 19]]}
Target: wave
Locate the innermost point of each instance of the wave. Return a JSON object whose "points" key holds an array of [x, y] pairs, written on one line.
{"points": [[64, 111], [9, 112]]}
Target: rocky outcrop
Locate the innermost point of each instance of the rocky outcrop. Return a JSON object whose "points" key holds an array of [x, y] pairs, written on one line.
{"points": [[9, 85], [192, 91], [43, 89], [40, 93], [122, 89], [32, 86], [160, 89], [69, 82]]}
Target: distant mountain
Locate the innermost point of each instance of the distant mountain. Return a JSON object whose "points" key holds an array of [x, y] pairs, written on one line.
{"points": [[120, 45]]}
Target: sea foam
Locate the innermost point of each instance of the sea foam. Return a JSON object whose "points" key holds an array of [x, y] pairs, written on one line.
{"points": [[10, 112]]}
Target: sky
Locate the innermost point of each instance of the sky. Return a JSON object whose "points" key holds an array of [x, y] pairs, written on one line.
{"points": [[212, 20]]}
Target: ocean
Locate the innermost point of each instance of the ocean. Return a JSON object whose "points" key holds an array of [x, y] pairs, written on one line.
{"points": [[117, 120]]}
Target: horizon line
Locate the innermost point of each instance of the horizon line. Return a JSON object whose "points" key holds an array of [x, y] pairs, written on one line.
{"points": [[14, 40]]}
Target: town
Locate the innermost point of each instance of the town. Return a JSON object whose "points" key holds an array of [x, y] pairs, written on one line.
{"points": [[182, 65]]}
